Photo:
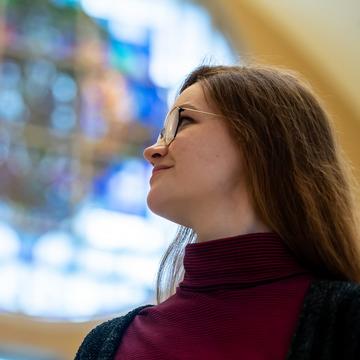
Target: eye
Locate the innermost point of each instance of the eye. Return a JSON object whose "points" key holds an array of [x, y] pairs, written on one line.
{"points": [[184, 121]]}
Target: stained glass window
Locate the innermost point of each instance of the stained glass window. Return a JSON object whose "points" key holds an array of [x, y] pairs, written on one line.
{"points": [[84, 87]]}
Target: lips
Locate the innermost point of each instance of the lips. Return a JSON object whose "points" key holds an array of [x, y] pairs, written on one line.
{"points": [[160, 168]]}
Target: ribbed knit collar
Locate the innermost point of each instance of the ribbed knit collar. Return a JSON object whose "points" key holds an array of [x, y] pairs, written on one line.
{"points": [[239, 261]]}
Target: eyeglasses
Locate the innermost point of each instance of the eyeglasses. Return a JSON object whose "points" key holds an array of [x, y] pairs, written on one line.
{"points": [[172, 123]]}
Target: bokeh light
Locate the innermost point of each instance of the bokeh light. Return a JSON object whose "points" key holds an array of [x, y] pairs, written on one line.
{"points": [[84, 87]]}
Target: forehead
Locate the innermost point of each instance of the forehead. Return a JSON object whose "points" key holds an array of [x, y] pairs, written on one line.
{"points": [[194, 95]]}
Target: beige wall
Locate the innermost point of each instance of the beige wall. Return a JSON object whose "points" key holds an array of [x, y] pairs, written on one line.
{"points": [[320, 39], [33, 335]]}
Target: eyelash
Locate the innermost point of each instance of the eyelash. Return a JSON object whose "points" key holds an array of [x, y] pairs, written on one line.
{"points": [[185, 118]]}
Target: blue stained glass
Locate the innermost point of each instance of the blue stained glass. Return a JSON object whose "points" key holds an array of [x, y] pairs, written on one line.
{"points": [[123, 187], [63, 118], [151, 108], [55, 249], [4, 146], [131, 59], [12, 105], [64, 88], [10, 242], [65, 3], [40, 71], [80, 97], [10, 75]]}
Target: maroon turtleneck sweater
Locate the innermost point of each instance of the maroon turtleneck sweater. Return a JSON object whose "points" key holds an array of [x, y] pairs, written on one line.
{"points": [[240, 299]]}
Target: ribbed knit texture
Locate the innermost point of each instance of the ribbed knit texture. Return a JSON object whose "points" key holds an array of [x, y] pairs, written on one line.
{"points": [[241, 261], [240, 299], [328, 327]]}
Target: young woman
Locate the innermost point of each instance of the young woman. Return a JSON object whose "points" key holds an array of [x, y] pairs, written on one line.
{"points": [[266, 262]]}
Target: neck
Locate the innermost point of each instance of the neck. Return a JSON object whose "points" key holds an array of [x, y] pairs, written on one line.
{"points": [[218, 229], [221, 220]]}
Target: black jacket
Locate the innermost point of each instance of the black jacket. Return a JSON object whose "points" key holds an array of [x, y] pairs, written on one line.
{"points": [[328, 327]]}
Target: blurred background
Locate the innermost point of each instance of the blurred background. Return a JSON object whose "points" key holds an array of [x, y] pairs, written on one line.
{"points": [[84, 87]]}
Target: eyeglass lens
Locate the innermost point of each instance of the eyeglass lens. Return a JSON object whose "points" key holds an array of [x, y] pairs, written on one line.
{"points": [[168, 133]]}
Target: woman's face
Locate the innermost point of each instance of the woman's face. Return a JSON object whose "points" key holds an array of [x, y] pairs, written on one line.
{"points": [[203, 164]]}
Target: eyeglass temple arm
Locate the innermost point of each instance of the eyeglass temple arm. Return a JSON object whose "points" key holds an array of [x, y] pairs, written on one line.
{"points": [[195, 110]]}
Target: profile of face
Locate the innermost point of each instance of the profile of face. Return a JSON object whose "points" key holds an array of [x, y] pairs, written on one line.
{"points": [[200, 169]]}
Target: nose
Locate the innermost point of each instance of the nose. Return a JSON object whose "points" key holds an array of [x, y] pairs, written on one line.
{"points": [[155, 151]]}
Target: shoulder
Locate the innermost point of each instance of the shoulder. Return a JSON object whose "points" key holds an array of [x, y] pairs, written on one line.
{"points": [[329, 298], [341, 303], [101, 343], [334, 292], [329, 322]]}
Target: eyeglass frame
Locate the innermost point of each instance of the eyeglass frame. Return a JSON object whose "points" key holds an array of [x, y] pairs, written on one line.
{"points": [[161, 140]]}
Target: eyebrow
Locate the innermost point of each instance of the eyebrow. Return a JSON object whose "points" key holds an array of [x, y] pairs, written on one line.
{"points": [[193, 108], [187, 106]]}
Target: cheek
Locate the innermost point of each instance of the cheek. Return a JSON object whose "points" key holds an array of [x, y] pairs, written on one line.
{"points": [[223, 166], [212, 165]]}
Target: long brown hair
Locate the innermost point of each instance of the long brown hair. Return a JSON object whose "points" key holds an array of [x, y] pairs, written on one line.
{"points": [[299, 181]]}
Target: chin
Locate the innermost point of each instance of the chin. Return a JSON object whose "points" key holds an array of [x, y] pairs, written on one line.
{"points": [[157, 205], [167, 210]]}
